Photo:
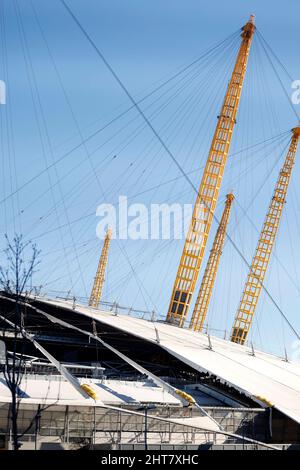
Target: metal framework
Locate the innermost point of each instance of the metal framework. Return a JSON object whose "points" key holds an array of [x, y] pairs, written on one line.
{"points": [[208, 193], [210, 273], [100, 274], [72, 427], [260, 262]]}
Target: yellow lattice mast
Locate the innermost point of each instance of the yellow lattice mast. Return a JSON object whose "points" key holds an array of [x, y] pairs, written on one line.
{"points": [[208, 193], [260, 262], [100, 274], [210, 273]]}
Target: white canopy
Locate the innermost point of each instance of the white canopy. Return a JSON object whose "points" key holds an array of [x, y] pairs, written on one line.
{"points": [[265, 378]]}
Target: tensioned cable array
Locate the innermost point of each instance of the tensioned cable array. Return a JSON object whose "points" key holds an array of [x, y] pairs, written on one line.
{"points": [[130, 172], [138, 108]]}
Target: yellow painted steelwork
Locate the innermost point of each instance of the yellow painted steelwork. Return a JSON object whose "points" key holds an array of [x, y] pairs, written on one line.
{"points": [[265, 401], [89, 390], [100, 274], [260, 262], [208, 193], [210, 273], [186, 396]]}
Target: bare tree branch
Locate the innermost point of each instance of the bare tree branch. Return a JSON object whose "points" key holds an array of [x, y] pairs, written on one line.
{"points": [[15, 281]]}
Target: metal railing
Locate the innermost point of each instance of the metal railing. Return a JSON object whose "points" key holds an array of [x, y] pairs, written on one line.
{"points": [[116, 308]]}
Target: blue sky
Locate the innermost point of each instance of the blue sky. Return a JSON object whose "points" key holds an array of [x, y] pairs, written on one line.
{"points": [[59, 92]]}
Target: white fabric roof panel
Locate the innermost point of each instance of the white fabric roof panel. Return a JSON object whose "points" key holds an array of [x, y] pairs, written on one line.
{"points": [[44, 389], [264, 377]]}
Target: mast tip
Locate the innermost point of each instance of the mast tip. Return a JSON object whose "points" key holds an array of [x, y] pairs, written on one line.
{"points": [[230, 196]]}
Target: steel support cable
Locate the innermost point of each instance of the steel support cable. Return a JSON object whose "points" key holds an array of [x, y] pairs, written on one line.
{"points": [[137, 267], [127, 276], [260, 86], [142, 263], [270, 111], [274, 255], [279, 137], [182, 119], [49, 213], [176, 94], [7, 122], [178, 117], [2, 121], [279, 79], [275, 56], [78, 129], [292, 242], [93, 134], [282, 325], [269, 103], [246, 172], [140, 287], [33, 86], [24, 37], [62, 370], [114, 135], [124, 275], [238, 222], [245, 211], [208, 54], [273, 115], [70, 172], [265, 179], [167, 387], [133, 273], [148, 295], [141, 369], [209, 117], [255, 164], [211, 54], [248, 205], [133, 134], [246, 215], [240, 151], [136, 105]]}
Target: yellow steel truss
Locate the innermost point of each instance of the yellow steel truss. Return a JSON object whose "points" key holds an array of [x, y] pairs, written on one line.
{"points": [[207, 197], [210, 273], [256, 275], [100, 274]]}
